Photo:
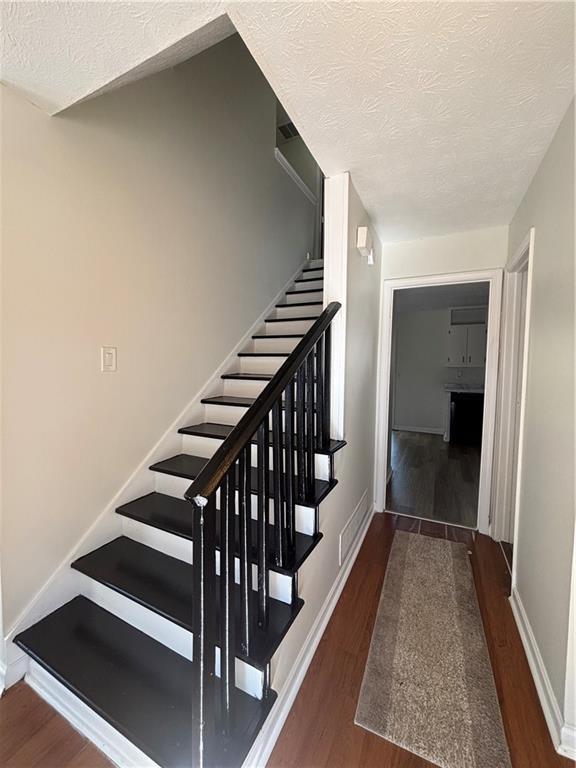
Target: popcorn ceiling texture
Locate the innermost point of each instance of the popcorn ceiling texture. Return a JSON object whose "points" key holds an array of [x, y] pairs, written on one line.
{"points": [[440, 111]]}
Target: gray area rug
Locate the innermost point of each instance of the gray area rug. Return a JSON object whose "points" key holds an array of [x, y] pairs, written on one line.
{"points": [[428, 684]]}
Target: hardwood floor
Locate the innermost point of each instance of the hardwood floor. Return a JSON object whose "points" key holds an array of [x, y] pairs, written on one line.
{"points": [[33, 735], [320, 730], [433, 479]]}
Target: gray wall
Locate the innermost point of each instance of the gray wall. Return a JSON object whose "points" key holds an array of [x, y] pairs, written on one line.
{"points": [[546, 519], [154, 218]]}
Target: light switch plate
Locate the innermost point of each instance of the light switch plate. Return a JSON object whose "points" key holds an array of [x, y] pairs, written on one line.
{"points": [[108, 357]]}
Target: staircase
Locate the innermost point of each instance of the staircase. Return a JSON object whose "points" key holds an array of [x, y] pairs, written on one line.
{"points": [[171, 650]]}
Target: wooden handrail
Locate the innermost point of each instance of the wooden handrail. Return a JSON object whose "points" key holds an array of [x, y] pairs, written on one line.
{"points": [[213, 473]]}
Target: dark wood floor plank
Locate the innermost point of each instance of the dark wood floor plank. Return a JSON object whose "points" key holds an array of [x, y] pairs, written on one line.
{"points": [[22, 716], [33, 735], [436, 530], [53, 746], [320, 730], [88, 757]]}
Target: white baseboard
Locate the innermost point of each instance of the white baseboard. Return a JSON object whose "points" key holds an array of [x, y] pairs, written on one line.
{"points": [[64, 584], [108, 740], [266, 739], [563, 736], [14, 668], [423, 430], [568, 741]]}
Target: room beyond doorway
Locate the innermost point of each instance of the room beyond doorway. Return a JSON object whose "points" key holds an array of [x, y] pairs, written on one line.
{"points": [[437, 395]]}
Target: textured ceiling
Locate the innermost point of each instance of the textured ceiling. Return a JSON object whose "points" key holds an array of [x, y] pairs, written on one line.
{"points": [[440, 111]]}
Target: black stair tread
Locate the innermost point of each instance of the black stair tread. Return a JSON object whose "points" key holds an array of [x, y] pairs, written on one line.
{"points": [[263, 354], [173, 515], [311, 279], [189, 467], [247, 376], [300, 304], [278, 336], [241, 402], [297, 292], [221, 432], [140, 687], [182, 465], [313, 269], [290, 319], [164, 585]]}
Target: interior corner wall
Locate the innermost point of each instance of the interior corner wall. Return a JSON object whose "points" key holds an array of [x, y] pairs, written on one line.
{"points": [[546, 518], [352, 499], [156, 219]]}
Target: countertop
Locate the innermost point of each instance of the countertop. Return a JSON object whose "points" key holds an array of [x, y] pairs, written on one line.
{"points": [[457, 387]]}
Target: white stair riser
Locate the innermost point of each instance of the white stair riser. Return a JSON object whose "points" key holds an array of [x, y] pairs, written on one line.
{"points": [[273, 345], [288, 326], [292, 298], [248, 678], [295, 312], [223, 414], [261, 364], [309, 285], [228, 414], [177, 486], [243, 387], [203, 446], [176, 546]]}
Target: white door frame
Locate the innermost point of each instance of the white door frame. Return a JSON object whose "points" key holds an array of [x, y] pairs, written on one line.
{"points": [[521, 260], [494, 278]]}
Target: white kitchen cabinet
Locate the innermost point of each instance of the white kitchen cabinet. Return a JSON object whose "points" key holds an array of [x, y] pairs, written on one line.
{"points": [[476, 346], [466, 347], [457, 346]]}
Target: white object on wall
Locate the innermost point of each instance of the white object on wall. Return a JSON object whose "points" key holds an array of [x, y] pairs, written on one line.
{"points": [[364, 244]]}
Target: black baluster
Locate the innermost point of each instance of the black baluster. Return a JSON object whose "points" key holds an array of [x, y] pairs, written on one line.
{"points": [[289, 480], [227, 648], [310, 407], [245, 535], [319, 362], [204, 623], [262, 524], [326, 394], [300, 435], [279, 487]]}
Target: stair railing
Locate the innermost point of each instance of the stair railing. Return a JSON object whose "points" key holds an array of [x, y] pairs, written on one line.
{"points": [[288, 422]]}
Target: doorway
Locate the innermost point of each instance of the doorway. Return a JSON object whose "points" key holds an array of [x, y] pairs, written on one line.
{"points": [[436, 397]]}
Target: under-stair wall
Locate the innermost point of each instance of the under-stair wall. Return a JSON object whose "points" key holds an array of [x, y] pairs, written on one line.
{"points": [[344, 514], [154, 219]]}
